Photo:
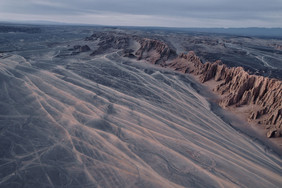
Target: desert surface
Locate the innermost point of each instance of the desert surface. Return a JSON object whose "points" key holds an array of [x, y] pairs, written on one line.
{"points": [[117, 107]]}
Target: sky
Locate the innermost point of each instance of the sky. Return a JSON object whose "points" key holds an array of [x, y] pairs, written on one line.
{"points": [[165, 13]]}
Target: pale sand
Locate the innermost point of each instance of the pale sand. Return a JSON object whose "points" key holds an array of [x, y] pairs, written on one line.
{"points": [[102, 123]]}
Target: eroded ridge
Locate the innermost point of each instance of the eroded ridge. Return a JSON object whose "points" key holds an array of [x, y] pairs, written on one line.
{"points": [[260, 96]]}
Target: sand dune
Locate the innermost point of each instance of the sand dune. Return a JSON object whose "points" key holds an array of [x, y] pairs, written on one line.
{"points": [[115, 123]]}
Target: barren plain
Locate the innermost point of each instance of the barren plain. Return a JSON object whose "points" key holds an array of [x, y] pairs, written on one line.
{"points": [[92, 107]]}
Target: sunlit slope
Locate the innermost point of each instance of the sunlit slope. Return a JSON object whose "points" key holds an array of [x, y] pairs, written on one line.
{"points": [[110, 123]]}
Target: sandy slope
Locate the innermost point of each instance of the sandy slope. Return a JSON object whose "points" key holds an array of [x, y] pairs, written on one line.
{"points": [[105, 123]]}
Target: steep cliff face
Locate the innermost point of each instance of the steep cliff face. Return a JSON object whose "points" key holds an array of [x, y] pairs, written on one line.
{"points": [[154, 51], [262, 95]]}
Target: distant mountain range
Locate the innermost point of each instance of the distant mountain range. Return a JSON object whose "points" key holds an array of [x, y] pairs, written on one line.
{"points": [[249, 31]]}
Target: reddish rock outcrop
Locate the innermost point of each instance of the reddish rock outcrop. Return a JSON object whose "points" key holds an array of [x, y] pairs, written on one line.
{"points": [[263, 95], [186, 63], [276, 46]]}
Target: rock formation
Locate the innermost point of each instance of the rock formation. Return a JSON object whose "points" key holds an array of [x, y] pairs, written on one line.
{"points": [[277, 46], [154, 51], [186, 63], [84, 48], [261, 96], [109, 40], [78, 48]]}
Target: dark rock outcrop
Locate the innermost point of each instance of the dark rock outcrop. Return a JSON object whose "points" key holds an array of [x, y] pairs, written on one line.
{"points": [[84, 48], [271, 133], [129, 53], [154, 51], [78, 48], [108, 41]]}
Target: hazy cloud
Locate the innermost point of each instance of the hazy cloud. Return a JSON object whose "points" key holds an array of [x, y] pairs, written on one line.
{"points": [[181, 13]]}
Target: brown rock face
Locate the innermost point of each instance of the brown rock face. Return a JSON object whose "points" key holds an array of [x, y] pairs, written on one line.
{"points": [[277, 46], [154, 51], [187, 63], [263, 93], [240, 88], [271, 133]]}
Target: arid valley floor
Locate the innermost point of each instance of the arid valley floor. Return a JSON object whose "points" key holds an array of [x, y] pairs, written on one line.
{"points": [[112, 107]]}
